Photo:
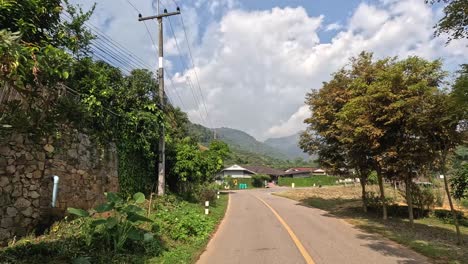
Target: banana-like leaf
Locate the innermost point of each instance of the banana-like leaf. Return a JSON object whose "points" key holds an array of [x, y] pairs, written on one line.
{"points": [[147, 237], [133, 217], [78, 212], [139, 197], [133, 209], [113, 197], [111, 222], [135, 234], [104, 207], [98, 222]]}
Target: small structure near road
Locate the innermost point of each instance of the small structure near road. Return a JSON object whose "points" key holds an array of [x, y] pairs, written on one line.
{"points": [[246, 171], [303, 172]]}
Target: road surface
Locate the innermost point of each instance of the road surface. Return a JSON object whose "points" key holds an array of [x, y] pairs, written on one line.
{"points": [[263, 228]]}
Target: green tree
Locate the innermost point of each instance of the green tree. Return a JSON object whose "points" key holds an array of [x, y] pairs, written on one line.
{"points": [[459, 182], [326, 134], [455, 20]]}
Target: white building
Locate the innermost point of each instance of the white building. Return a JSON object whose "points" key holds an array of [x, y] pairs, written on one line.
{"points": [[236, 171]]}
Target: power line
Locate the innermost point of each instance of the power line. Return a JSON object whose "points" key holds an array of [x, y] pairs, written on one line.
{"points": [[117, 54], [182, 61], [190, 84], [194, 69], [173, 88], [148, 31], [116, 48]]}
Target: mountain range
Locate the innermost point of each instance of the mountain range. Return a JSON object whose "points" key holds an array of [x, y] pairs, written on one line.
{"points": [[277, 149]]}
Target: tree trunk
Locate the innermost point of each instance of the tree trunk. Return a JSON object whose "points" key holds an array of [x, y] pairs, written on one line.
{"points": [[363, 182], [382, 194], [409, 199], [454, 213]]}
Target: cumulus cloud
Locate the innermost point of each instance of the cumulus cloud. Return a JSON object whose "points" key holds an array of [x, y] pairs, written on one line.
{"points": [[292, 125], [333, 27], [255, 67]]}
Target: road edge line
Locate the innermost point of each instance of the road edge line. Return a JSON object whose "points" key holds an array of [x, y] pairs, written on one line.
{"points": [[308, 259]]}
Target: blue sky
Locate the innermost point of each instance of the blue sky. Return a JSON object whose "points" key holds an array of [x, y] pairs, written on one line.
{"points": [[255, 60]]}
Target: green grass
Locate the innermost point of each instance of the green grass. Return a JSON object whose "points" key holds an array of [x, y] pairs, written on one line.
{"points": [[189, 251], [181, 231], [309, 181], [430, 236]]}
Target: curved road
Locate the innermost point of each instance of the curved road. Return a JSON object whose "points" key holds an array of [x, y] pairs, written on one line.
{"points": [[263, 228]]}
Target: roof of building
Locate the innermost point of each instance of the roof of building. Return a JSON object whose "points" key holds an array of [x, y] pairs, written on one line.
{"points": [[236, 167], [301, 169], [264, 170]]}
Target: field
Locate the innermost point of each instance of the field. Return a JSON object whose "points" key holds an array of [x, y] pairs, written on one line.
{"points": [[431, 236], [309, 181]]}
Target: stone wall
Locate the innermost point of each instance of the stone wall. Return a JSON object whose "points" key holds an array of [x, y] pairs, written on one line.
{"points": [[27, 166]]}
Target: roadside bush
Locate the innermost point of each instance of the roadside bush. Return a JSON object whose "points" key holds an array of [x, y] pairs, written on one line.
{"points": [[439, 196], [259, 180], [446, 216], [206, 192], [373, 200], [119, 225], [424, 197], [181, 220]]}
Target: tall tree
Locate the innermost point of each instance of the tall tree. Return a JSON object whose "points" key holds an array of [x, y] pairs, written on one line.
{"points": [[455, 19], [326, 136]]}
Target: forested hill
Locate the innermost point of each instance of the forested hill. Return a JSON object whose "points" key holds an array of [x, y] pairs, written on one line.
{"points": [[288, 145], [236, 139], [245, 148]]}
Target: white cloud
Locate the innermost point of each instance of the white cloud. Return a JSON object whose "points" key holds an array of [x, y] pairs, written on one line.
{"points": [[255, 67], [294, 124], [333, 27]]}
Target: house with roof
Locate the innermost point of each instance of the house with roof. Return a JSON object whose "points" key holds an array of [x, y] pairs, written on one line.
{"points": [[273, 173], [303, 172], [236, 171], [246, 171]]}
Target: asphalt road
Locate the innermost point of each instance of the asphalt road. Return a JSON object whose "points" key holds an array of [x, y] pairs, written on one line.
{"points": [[263, 228]]}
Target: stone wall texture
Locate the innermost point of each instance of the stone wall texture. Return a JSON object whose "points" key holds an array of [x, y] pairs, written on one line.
{"points": [[27, 167]]}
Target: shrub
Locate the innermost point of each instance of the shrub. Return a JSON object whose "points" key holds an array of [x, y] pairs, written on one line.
{"points": [[372, 179], [181, 221], [206, 192], [373, 200], [439, 196], [259, 180], [424, 199], [120, 225]]}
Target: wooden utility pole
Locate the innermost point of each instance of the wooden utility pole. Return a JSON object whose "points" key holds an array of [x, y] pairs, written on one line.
{"points": [[162, 143]]}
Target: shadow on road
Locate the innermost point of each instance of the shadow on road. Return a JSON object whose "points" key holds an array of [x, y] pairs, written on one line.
{"points": [[433, 241]]}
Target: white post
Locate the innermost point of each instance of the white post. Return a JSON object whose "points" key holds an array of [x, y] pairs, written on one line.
{"points": [[292, 185], [217, 195], [55, 190], [207, 204]]}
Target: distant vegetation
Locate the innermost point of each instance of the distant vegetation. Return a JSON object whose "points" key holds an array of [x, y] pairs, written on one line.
{"points": [[246, 150], [318, 180], [289, 146]]}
